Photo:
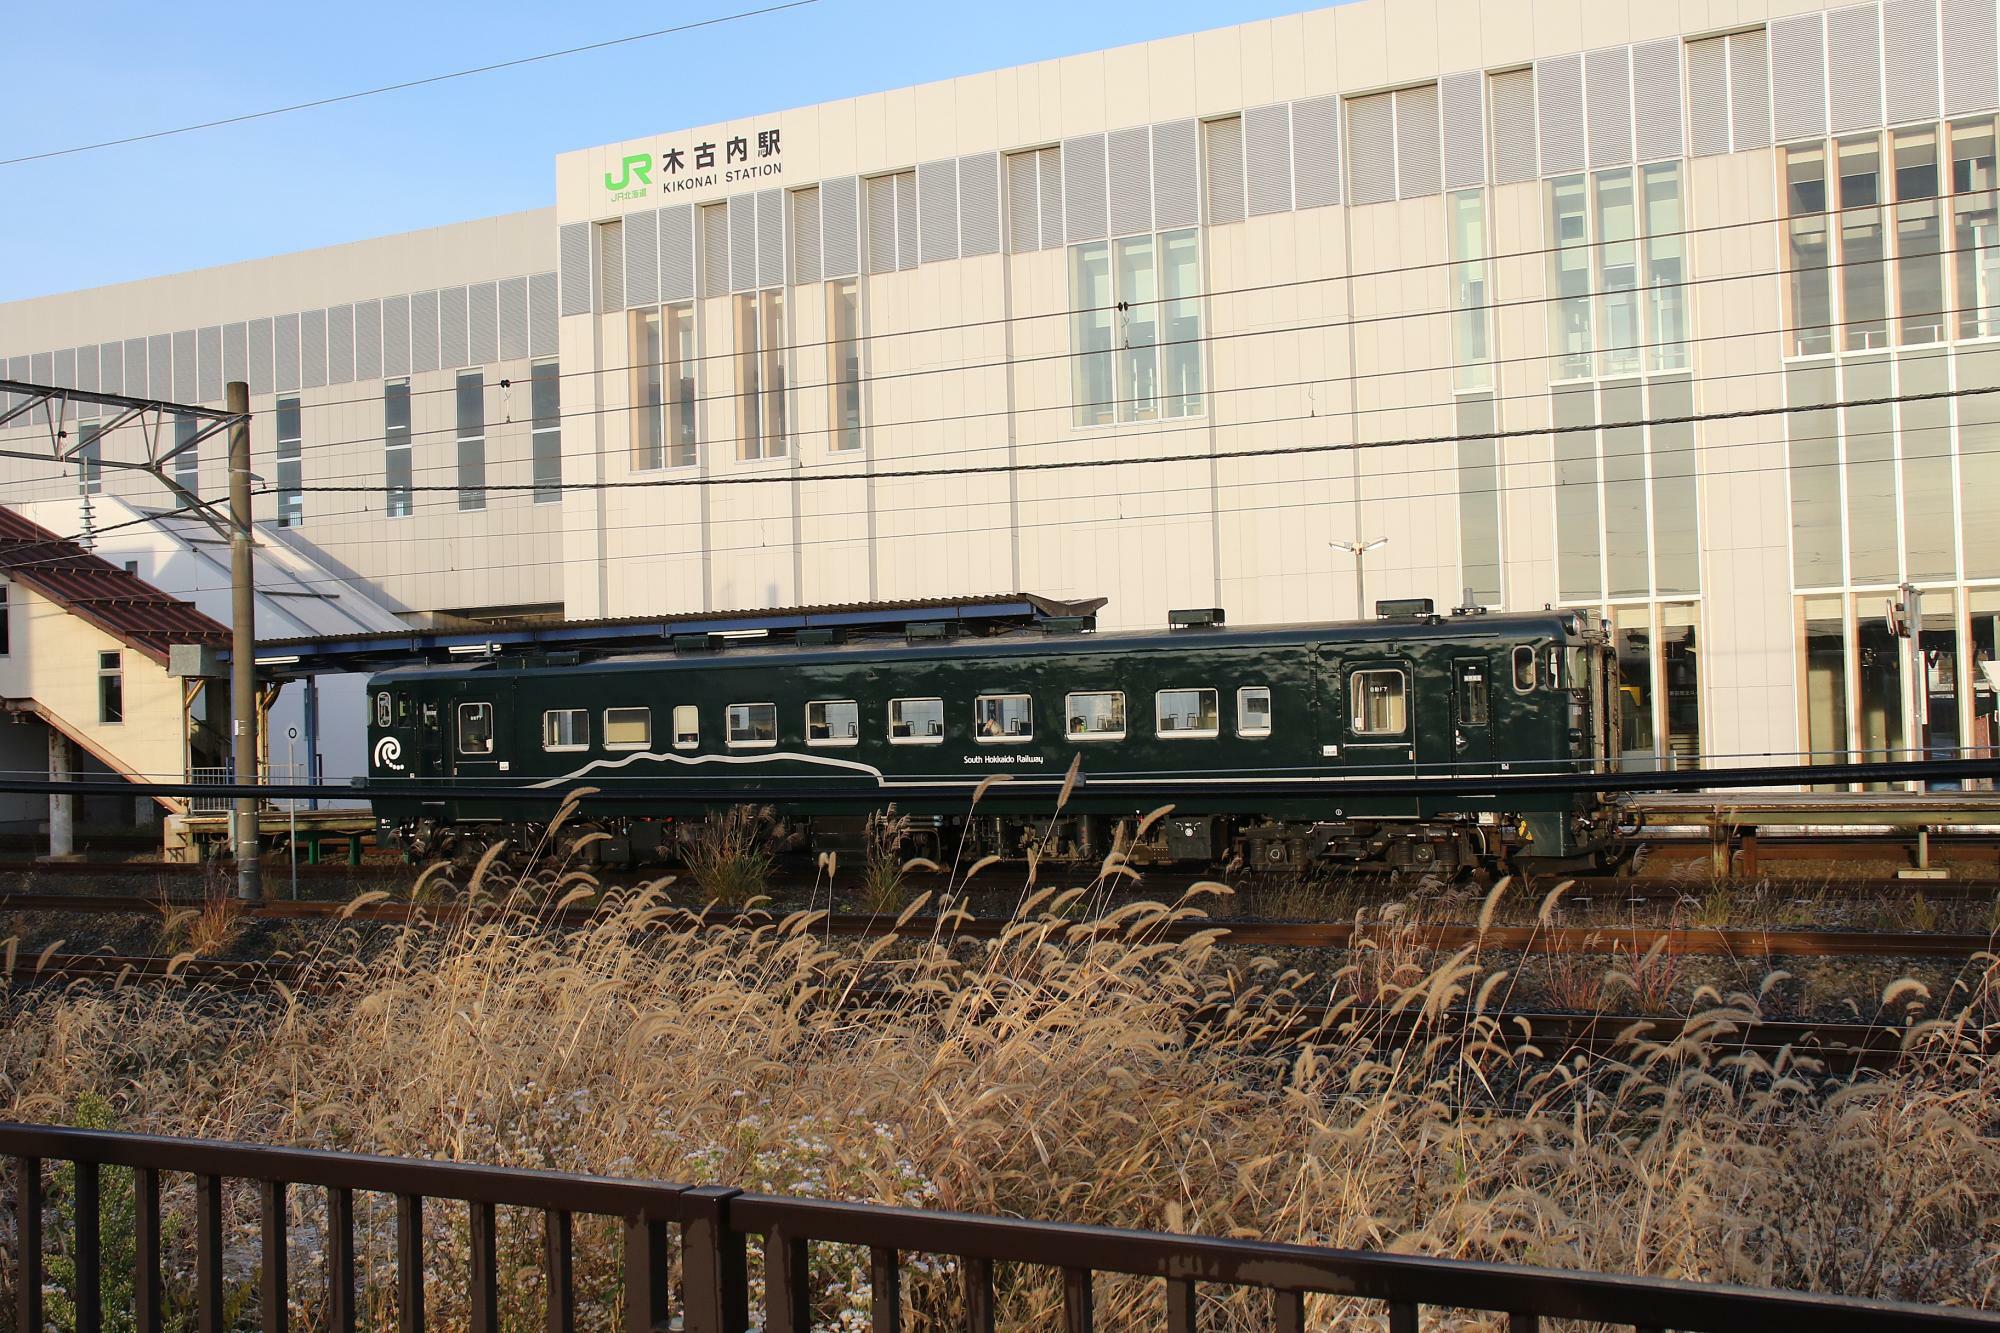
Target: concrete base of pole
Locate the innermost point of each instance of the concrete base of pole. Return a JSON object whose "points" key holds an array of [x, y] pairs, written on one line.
{"points": [[62, 809]]}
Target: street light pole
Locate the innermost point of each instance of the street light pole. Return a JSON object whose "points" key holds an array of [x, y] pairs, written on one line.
{"points": [[1359, 550]]}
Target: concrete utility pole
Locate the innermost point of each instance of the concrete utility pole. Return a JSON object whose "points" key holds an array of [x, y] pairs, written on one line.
{"points": [[242, 645], [62, 806], [1359, 550]]}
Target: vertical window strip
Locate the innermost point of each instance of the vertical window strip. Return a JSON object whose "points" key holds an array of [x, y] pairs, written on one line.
{"points": [[397, 472], [291, 449], [471, 409], [545, 394]]}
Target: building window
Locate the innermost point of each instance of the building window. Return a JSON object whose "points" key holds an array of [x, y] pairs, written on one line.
{"points": [[1471, 319], [187, 455], [545, 393], [760, 375], [1377, 703], [1186, 714], [1003, 717], [1975, 233], [396, 469], [916, 721], [471, 439], [843, 375], [1479, 499], [751, 726], [1098, 716], [566, 729], [90, 458], [1125, 295], [291, 451], [110, 688], [628, 728], [1626, 491], [1253, 711], [1619, 230], [663, 401], [833, 722]]}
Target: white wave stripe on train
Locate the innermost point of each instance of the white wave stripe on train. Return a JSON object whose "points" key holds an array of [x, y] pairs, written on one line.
{"points": [[695, 761]]}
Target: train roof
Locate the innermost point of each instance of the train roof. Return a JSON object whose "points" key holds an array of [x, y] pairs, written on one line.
{"points": [[1034, 641]]}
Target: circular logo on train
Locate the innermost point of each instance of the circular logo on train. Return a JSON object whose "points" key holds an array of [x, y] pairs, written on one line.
{"points": [[389, 753]]}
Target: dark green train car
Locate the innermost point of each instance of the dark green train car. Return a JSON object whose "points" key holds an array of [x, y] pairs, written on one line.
{"points": [[1217, 716]]}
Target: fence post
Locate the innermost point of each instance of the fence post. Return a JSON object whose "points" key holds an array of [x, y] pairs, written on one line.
{"points": [[28, 1241], [714, 1269]]}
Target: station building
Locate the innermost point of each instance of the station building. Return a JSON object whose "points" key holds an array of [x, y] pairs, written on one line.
{"points": [[1525, 289]]}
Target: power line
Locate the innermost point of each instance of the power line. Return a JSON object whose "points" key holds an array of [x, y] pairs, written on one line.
{"points": [[406, 84]]}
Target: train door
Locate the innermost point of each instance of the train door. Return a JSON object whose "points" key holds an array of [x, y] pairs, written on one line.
{"points": [[1471, 715], [476, 730], [1380, 719], [429, 725]]}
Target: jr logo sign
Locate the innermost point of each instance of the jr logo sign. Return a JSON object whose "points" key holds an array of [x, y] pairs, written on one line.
{"points": [[632, 177]]}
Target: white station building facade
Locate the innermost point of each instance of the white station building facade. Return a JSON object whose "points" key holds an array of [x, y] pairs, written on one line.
{"points": [[1528, 289]]}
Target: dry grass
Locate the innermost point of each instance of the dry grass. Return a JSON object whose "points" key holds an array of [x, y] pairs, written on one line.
{"points": [[1052, 1073], [728, 854]]}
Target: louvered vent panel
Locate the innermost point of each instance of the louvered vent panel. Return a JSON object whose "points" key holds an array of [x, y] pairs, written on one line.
{"points": [[677, 253], [136, 383], [285, 353], [1707, 97], [184, 366], [1129, 205], [806, 267], [208, 360], [312, 349], [1177, 174], [395, 337], [1749, 90], [840, 226], [642, 259], [610, 267], [1910, 59], [42, 371], [423, 332], [1656, 100], [1371, 149], [1048, 163], [368, 340], [1085, 215], [513, 318], [1559, 105], [1417, 154], [1854, 68], [1024, 231], [1607, 78], [906, 220], [544, 336], [235, 353], [882, 224], [482, 324], [160, 366], [1267, 159], [1316, 152], [22, 368], [1798, 79], [1222, 175], [979, 204], [111, 366], [86, 369], [62, 370], [1511, 100], [339, 345], [771, 238], [1464, 131], [574, 257], [713, 219], [1971, 64], [937, 210], [260, 356]]}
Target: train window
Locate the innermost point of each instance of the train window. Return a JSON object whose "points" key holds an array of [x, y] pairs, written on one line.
{"points": [[916, 721], [402, 708], [1186, 715], [1095, 717], [566, 729], [1524, 669], [1473, 709], [833, 722], [1001, 718], [628, 728], [1555, 676], [430, 717], [1379, 703], [687, 727], [475, 728], [1253, 710], [751, 726], [382, 709]]}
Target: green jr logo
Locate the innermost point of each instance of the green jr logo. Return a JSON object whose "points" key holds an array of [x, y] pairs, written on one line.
{"points": [[634, 171]]}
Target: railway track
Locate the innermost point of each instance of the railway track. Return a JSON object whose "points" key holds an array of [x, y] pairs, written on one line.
{"points": [[1555, 1037], [1608, 938]]}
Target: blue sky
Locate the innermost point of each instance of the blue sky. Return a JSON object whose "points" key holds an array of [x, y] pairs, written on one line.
{"points": [[80, 72]]}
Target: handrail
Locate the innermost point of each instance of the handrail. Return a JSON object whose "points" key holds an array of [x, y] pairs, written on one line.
{"points": [[715, 1224]]}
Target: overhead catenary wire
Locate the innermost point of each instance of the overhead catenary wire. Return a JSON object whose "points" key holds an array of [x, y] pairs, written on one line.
{"points": [[407, 84]]}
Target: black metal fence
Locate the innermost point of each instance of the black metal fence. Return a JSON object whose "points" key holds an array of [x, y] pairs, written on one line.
{"points": [[714, 1228]]}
